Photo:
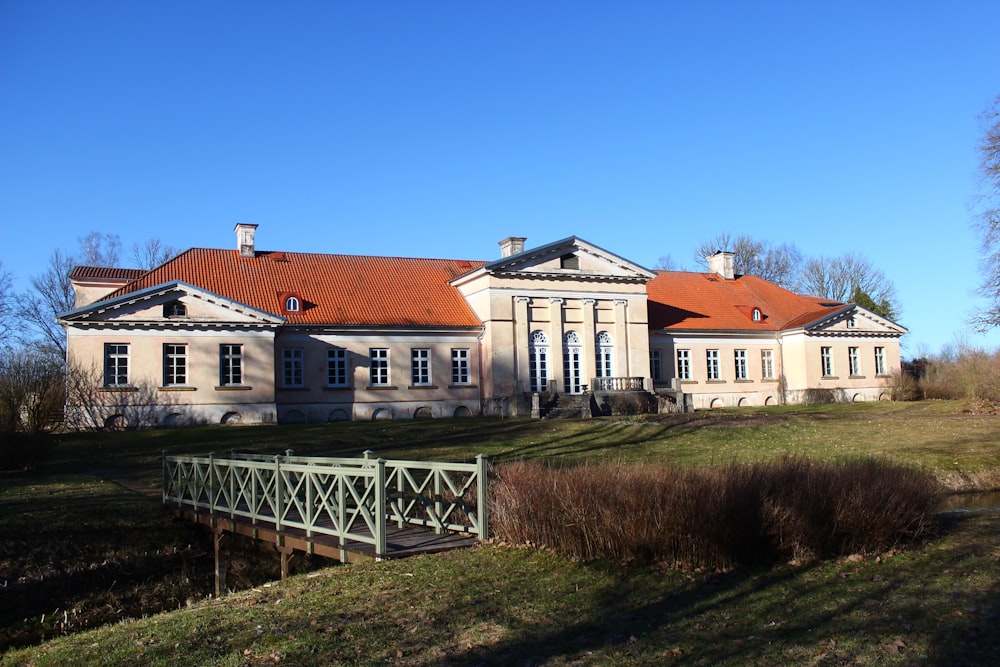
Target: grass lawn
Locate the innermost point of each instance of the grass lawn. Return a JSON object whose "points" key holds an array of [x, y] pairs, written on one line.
{"points": [[80, 552]]}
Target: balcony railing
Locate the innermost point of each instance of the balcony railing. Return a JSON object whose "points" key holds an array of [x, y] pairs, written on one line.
{"points": [[609, 384]]}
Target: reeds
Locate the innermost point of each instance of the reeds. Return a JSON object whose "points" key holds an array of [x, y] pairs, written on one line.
{"points": [[716, 516]]}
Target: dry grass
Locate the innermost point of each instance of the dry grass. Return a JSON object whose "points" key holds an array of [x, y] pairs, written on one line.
{"points": [[715, 517]]}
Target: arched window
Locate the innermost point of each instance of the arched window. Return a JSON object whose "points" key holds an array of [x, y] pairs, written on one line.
{"points": [[605, 350], [756, 315], [292, 304], [538, 360], [572, 371]]}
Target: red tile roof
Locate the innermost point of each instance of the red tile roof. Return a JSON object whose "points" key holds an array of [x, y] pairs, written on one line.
{"points": [[106, 272], [334, 289], [682, 300]]}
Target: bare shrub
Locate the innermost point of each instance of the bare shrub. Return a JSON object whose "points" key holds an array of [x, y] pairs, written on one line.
{"points": [[903, 386], [91, 406], [815, 396], [31, 391], [717, 517], [969, 372]]}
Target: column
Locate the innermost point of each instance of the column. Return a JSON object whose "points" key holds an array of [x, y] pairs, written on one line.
{"points": [[589, 336], [556, 345], [522, 332], [623, 367]]}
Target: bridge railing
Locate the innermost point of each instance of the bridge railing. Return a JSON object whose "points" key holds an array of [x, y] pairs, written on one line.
{"points": [[351, 499]]}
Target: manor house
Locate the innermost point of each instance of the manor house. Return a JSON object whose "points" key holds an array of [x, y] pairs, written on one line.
{"points": [[246, 335]]}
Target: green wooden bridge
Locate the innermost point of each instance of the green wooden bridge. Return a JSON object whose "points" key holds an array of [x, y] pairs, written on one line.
{"points": [[347, 508]]}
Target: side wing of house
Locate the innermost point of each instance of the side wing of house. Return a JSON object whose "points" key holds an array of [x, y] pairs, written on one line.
{"points": [[168, 355], [846, 356], [566, 317]]}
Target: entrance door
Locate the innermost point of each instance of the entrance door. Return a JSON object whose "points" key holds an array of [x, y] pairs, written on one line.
{"points": [[572, 371]]}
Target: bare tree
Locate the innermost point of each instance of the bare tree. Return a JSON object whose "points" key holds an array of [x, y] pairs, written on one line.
{"points": [[31, 391], [667, 263], [152, 253], [90, 406], [988, 222], [51, 294], [851, 278], [776, 264], [98, 249], [6, 308]]}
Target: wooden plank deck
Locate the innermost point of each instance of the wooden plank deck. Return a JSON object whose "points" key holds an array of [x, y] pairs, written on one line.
{"points": [[400, 542]]}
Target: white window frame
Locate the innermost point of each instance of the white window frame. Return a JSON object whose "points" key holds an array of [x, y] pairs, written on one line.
{"points": [[379, 375], [572, 363], [853, 362], [605, 355], [767, 364], [293, 368], [538, 361], [292, 304], [712, 370], [460, 366], [230, 364], [175, 365], [116, 364], [740, 363], [420, 367], [880, 361], [683, 364], [336, 367], [826, 361]]}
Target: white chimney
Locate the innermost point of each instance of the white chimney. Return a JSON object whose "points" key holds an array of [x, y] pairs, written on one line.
{"points": [[721, 263], [244, 239], [512, 245]]}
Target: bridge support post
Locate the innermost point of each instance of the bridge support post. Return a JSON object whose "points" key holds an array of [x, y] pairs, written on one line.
{"points": [[220, 563], [287, 556]]}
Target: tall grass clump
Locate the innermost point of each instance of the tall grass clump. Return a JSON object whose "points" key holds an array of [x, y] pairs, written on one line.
{"points": [[718, 516]]}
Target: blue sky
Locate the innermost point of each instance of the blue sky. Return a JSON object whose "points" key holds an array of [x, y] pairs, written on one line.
{"points": [[436, 129]]}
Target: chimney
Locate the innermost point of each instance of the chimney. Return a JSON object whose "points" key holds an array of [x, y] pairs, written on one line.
{"points": [[722, 263], [512, 245], [244, 239]]}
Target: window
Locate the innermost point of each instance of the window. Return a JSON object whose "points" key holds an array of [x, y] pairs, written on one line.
{"points": [[379, 357], [569, 262], [174, 309], [683, 364], [292, 304], [712, 360], [851, 322], [741, 364], [826, 361], [756, 315], [655, 365], [879, 361], [605, 348], [115, 365], [291, 367], [174, 365], [572, 363], [460, 366], [538, 361], [853, 362], [336, 367], [230, 365], [420, 367], [767, 364]]}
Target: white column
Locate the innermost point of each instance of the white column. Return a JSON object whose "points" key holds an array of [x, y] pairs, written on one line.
{"points": [[622, 362], [589, 336], [522, 333], [556, 345]]}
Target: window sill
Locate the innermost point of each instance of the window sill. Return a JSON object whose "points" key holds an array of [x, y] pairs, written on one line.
{"points": [[830, 377], [422, 386], [123, 388], [462, 386], [743, 381], [855, 377], [294, 388], [234, 387], [381, 387], [176, 388], [689, 382], [769, 380], [339, 388], [715, 382]]}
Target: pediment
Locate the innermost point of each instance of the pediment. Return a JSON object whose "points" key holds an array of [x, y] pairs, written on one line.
{"points": [[855, 320], [570, 258], [170, 304]]}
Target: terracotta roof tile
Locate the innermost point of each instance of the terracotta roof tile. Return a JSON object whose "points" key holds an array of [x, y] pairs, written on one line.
{"points": [[106, 272], [685, 300], [350, 290]]}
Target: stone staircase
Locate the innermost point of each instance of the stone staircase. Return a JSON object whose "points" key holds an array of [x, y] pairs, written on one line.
{"points": [[567, 406]]}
